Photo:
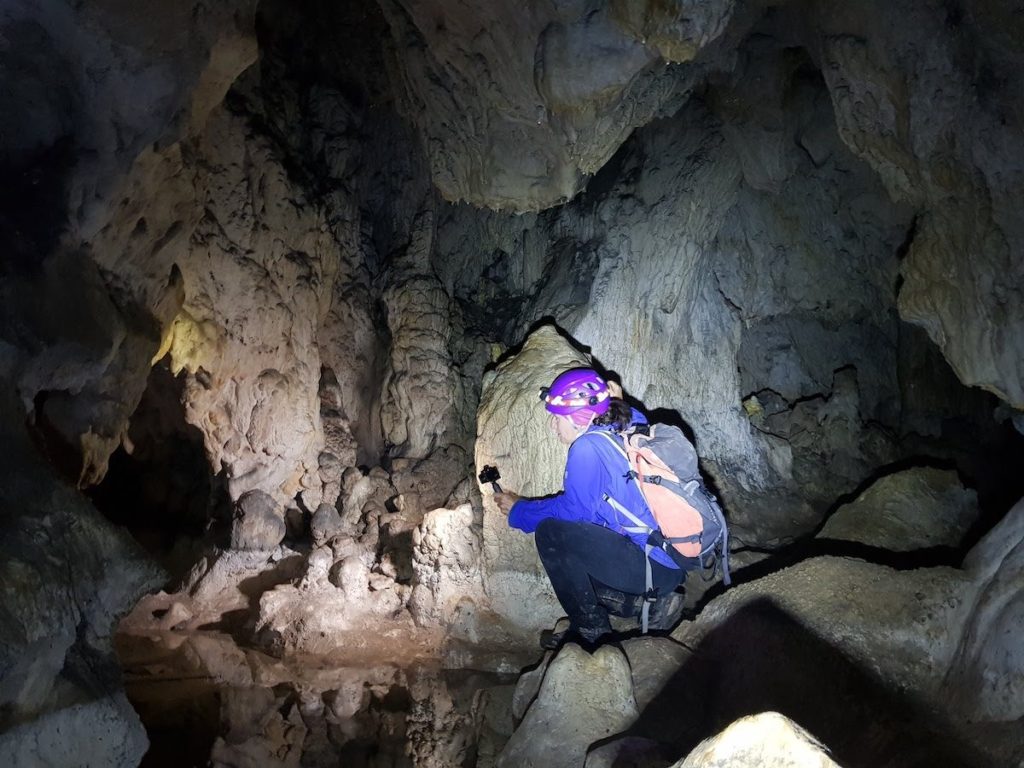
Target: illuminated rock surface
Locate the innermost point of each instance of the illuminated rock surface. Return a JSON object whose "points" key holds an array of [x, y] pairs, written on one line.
{"points": [[915, 509], [769, 740], [244, 312]]}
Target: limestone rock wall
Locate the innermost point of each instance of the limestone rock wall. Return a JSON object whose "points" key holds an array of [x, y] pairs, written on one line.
{"points": [[91, 135], [258, 282], [707, 279], [741, 264], [67, 577], [935, 112], [513, 435], [516, 106]]}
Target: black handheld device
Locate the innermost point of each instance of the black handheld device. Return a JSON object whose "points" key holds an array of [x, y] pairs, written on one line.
{"points": [[490, 475]]}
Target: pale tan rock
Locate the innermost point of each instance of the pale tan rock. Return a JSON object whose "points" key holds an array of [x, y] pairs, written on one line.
{"points": [[422, 392], [513, 434], [254, 371], [361, 493], [583, 699], [176, 615], [446, 563], [914, 509], [766, 740]]}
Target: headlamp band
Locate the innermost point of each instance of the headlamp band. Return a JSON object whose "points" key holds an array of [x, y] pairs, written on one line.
{"points": [[580, 401]]}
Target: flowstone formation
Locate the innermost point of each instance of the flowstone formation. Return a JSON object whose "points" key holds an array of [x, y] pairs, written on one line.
{"points": [[517, 105]]}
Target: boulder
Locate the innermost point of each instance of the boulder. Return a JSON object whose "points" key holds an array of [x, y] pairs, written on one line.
{"points": [[258, 522], [914, 509], [766, 740], [325, 524], [986, 678], [583, 698], [105, 731]]}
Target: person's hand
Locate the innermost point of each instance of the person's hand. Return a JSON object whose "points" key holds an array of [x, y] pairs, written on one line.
{"points": [[505, 500], [615, 389]]}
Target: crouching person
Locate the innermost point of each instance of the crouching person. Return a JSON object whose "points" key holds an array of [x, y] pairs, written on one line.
{"points": [[597, 531]]}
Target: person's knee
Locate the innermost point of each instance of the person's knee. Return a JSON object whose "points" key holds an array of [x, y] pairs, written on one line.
{"points": [[550, 535]]}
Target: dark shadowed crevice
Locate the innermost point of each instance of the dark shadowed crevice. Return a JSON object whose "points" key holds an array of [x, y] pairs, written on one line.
{"points": [[160, 486]]}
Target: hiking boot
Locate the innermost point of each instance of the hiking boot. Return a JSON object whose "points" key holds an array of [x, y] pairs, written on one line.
{"points": [[666, 612], [585, 637]]}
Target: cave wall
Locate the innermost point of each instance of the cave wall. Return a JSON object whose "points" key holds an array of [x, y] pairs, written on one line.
{"points": [[745, 264], [737, 209]]}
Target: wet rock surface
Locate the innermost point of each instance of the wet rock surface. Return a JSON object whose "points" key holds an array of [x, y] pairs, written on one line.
{"points": [[206, 700]]}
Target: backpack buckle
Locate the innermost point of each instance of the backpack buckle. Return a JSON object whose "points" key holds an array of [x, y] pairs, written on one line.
{"points": [[654, 479]]}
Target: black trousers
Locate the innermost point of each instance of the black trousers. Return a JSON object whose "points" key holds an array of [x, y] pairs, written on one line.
{"points": [[576, 555]]}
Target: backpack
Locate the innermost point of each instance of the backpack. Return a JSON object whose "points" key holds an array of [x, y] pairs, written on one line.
{"points": [[691, 525]]}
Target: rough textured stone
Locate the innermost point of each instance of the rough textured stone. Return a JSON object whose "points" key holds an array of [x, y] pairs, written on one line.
{"points": [[768, 739], [941, 143], [90, 136], [422, 391], [446, 561], [513, 434], [841, 601], [247, 331], [325, 524], [102, 732], [985, 680], [914, 509], [517, 108], [66, 577], [566, 718], [258, 524]]}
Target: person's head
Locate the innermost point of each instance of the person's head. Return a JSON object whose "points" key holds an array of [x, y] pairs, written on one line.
{"points": [[574, 399]]}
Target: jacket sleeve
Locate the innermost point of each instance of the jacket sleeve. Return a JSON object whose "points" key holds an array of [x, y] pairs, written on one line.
{"points": [[581, 498]]}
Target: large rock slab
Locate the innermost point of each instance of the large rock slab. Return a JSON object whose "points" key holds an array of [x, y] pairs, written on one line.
{"points": [[566, 717], [914, 509], [513, 434]]}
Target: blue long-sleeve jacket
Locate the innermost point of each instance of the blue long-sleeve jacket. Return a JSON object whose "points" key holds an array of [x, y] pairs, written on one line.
{"points": [[594, 468]]}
